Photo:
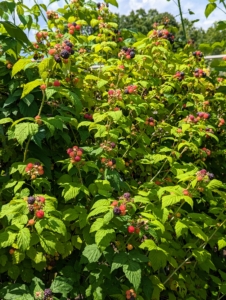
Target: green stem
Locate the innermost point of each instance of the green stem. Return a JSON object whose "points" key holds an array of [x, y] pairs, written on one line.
{"points": [[42, 104], [187, 259], [26, 149], [181, 17]]}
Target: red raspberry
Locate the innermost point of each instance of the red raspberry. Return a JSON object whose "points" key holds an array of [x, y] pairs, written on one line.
{"points": [[56, 83], [43, 87], [77, 158], [40, 214], [69, 151], [131, 229], [42, 199], [122, 207]]}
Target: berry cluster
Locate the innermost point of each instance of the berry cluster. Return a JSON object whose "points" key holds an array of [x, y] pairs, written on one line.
{"points": [[108, 146], [191, 119], [131, 89], [47, 294], [221, 122], [114, 94], [203, 115], [199, 73], [75, 154], [34, 169], [207, 151], [36, 204], [164, 34], [51, 15], [197, 54], [118, 210], [150, 121], [72, 27], [203, 175], [108, 162], [101, 6], [88, 116], [126, 52], [62, 51], [41, 35], [179, 75], [130, 294]]}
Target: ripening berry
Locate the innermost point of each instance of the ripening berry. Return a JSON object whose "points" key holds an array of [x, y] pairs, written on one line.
{"points": [[79, 153], [43, 87], [114, 203], [137, 230], [41, 172], [178, 215], [77, 158], [42, 199], [11, 251], [30, 165], [110, 163], [186, 192], [123, 212], [52, 51], [40, 214], [131, 229], [122, 207], [77, 27], [31, 222], [129, 247], [56, 83], [199, 178]]}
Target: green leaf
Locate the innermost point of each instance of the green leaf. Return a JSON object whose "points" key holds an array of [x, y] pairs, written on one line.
{"points": [[28, 87], [48, 242], [92, 253], [62, 285], [6, 120], [23, 239], [70, 214], [198, 233], [7, 238], [45, 66], [19, 65], [103, 237], [14, 272], [98, 210], [25, 130], [214, 184], [170, 200], [221, 243], [15, 32], [133, 273], [70, 191], [180, 228], [97, 225], [148, 244], [209, 9]]}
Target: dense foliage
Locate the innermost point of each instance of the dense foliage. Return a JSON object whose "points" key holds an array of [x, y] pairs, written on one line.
{"points": [[113, 177], [212, 40]]}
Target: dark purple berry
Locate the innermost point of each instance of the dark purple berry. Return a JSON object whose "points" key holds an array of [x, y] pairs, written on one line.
{"points": [[211, 176], [203, 74], [126, 195], [113, 145], [72, 51], [132, 54], [31, 200], [117, 211], [47, 293], [113, 161], [57, 58], [98, 5], [37, 163], [150, 119], [126, 91], [69, 44], [65, 54], [125, 48], [194, 53]]}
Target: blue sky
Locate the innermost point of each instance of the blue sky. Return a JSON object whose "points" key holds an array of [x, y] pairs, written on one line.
{"points": [[125, 6], [197, 6]]}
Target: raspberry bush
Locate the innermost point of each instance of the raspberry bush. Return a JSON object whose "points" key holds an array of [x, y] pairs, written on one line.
{"points": [[112, 178]]}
